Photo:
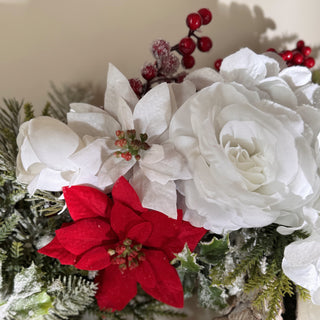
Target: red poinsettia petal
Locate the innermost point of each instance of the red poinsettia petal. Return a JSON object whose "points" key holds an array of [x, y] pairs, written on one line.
{"points": [[144, 274], [83, 235], [94, 259], [168, 288], [54, 249], [170, 235], [140, 232], [123, 192], [123, 219], [86, 202], [116, 289]]}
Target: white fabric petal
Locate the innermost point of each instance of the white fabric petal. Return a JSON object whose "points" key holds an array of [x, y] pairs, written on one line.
{"points": [[53, 142], [181, 92], [245, 67], [296, 76], [153, 112], [204, 77], [112, 169], [154, 195], [118, 87], [96, 123], [163, 164]]}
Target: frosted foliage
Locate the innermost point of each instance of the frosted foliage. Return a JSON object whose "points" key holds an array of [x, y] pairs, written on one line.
{"points": [[73, 296], [27, 282]]}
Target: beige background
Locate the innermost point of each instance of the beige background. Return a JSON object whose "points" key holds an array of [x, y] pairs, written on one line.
{"points": [[69, 41]]}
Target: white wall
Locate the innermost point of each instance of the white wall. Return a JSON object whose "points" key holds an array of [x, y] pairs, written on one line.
{"points": [[68, 41]]}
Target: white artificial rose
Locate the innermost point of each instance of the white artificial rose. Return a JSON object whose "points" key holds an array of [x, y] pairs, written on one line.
{"points": [[249, 146], [45, 145]]}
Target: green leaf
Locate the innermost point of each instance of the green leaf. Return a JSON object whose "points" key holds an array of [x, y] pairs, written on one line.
{"points": [[214, 251], [210, 296], [188, 260], [33, 307]]}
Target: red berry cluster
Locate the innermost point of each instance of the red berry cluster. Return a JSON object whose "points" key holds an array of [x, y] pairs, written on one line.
{"points": [[187, 45], [298, 56], [130, 146], [167, 63]]}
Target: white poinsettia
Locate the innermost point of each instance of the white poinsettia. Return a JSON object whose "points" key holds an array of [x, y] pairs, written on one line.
{"points": [[154, 172], [250, 137]]}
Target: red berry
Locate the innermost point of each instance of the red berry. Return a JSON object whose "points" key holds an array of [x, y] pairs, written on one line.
{"points": [[194, 21], [204, 44], [169, 65], [297, 58], [286, 55], [305, 51], [300, 44], [188, 61], [149, 71], [136, 86], [180, 77], [309, 62], [271, 50], [160, 48], [186, 46], [217, 64], [206, 15]]}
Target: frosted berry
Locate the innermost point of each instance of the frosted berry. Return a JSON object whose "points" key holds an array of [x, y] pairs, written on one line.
{"points": [[136, 86], [271, 50], [170, 65], [160, 48], [309, 62], [149, 71], [188, 61], [300, 44], [186, 46], [286, 55], [297, 58], [194, 21], [204, 44], [206, 15], [305, 51], [217, 64]]}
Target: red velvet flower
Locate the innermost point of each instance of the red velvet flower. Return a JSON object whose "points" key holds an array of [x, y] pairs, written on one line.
{"points": [[129, 244]]}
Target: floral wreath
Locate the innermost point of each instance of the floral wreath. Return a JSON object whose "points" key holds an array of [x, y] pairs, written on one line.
{"points": [[206, 182]]}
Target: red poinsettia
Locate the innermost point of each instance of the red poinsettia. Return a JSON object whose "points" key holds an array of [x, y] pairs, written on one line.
{"points": [[129, 244]]}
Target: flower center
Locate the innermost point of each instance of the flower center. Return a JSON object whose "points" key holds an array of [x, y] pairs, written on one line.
{"points": [[251, 167], [129, 145], [127, 255]]}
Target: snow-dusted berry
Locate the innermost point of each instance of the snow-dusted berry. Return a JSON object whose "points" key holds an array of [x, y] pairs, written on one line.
{"points": [[136, 86], [170, 65], [160, 48], [149, 71]]}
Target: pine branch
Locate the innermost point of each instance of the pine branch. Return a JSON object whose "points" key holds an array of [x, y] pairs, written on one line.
{"points": [[28, 112], [8, 225], [72, 295], [60, 99], [9, 128]]}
